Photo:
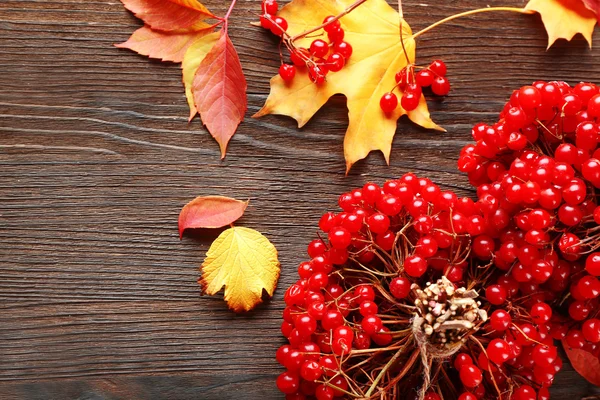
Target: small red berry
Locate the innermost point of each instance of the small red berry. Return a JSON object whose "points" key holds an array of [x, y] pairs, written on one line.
{"points": [[438, 67], [279, 26], [388, 102], [269, 7], [440, 86], [344, 48], [319, 48], [287, 72]]}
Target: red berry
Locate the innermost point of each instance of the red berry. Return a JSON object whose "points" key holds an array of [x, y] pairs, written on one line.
{"points": [[593, 107], [438, 67], [592, 264], [279, 26], [410, 100], [288, 382], [500, 320], [287, 72], [336, 35], [388, 102], [269, 7], [339, 238], [400, 287], [424, 78], [470, 375], [335, 62], [495, 294], [344, 48], [378, 222], [371, 325], [440, 86], [591, 330], [498, 351], [462, 359], [319, 48], [415, 265], [530, 97], [331, 25], [541, 313]]}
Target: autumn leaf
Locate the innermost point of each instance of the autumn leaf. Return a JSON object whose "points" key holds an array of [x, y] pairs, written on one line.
{"points": [[586, 364], [564, 19], [373, 30], [210, 212], [219, 90], [191, 61], [166, 46], [245, 262], [170, 15], [593, 5]]}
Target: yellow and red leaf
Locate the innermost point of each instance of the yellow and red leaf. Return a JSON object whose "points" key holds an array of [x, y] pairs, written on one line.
{"points": [[219, 90]]}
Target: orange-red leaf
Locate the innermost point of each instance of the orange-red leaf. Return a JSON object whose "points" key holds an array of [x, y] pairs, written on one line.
{"points": [[593, 5], [210, 212], [170, 15], [219, 90], [166, 46], [586, 364]]}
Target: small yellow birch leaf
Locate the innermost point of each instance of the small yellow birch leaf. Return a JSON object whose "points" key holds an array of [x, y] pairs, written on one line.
{"points": [[373, 29], [191, 61], [245, 262], [564, 19]]}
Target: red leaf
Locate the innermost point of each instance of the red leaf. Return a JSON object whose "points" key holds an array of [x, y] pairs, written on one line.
{"points": [[586, 364], [219, 90], [593, 5], [210, 212], [170, 15], [167, 46]]}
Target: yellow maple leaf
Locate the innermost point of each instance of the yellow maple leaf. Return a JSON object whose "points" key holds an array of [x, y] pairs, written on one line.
{"points": [[245, 262], [192, 60], [564, 19], [373, 29]]}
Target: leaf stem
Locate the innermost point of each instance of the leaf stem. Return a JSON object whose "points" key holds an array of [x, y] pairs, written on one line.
{"points": [[226, 17], [471, 12], [331, 21]]}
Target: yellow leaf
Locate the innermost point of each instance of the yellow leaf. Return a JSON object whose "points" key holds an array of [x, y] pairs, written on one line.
{"points": [[191, 61], [245, 262], [373, 30], [564, 19]]}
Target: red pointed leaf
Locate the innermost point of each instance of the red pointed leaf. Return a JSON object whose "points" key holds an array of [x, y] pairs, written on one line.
{"points": [[170, 15], [593, 5], [167, 46], [219, 90], [210, 212], [586, 364]]}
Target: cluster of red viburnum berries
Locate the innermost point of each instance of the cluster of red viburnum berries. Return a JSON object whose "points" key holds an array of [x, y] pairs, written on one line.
{"points": [[411, 83], [537, 171], [527, 245], [322, 57]]}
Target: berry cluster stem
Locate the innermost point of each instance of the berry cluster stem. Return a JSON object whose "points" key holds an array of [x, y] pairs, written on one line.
{"points": [[472, 12]]}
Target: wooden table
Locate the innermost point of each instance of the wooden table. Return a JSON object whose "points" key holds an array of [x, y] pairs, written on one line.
{"points": [[98, 297]]}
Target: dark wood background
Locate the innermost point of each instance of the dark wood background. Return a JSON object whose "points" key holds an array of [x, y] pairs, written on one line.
{"points": [[98, 297]]}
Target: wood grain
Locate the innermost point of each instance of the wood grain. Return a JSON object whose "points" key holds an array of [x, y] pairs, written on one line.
{"points": [[98, 297]]}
